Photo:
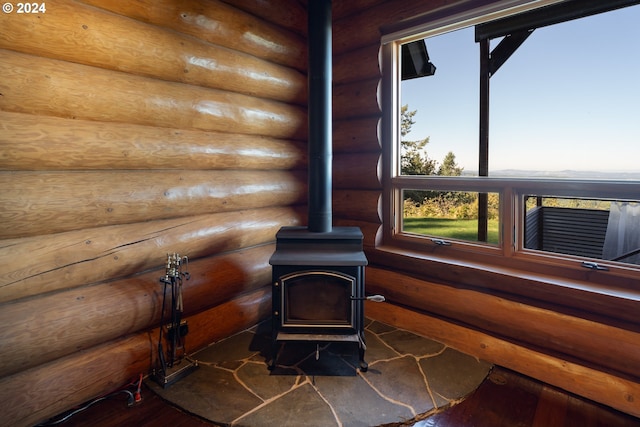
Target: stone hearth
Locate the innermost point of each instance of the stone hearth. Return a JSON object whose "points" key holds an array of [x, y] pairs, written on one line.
{"points": [[409, 376]]}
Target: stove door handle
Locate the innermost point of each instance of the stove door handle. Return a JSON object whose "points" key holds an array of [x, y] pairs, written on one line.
{"points": [[374, 298]]}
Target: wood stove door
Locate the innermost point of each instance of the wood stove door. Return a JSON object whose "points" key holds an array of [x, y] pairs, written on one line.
{"points": [[311, 300]]}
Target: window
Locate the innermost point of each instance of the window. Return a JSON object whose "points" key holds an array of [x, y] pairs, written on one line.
{"points": [[448, 215], [516, 138]]}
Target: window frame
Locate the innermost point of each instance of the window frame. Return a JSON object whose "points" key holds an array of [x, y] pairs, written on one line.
{"points": [[559, 270]]}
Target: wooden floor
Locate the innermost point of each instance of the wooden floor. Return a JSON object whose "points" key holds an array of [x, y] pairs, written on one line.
{"points": [[504, 399], [508, 399]]}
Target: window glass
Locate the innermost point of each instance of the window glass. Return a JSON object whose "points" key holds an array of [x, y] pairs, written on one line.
{"points": [[448, 214], [565, 104], [439, 114], [601, 229]]}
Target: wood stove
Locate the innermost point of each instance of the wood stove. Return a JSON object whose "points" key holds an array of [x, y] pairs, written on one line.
{"points": [[318, 287], [318, 271]]}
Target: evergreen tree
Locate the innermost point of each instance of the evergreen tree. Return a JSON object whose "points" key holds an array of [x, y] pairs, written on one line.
{"points": [[406, 120], [413, 158], [449, 167], [415, 161]]}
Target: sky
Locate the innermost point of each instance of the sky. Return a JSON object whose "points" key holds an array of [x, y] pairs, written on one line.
{"points": [[567, 99]]}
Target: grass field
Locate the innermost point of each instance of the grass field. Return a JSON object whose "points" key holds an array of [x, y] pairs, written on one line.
{"points": [[462, 229]]}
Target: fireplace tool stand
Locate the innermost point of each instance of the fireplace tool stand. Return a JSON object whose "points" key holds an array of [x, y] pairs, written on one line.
{"points": [[172, 366]]}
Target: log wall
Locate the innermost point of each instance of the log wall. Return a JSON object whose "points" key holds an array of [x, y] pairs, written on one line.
{"points": [[595, 357], [133, 129], [129, 130]]}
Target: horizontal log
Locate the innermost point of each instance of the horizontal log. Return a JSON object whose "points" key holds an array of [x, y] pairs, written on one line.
{"points": [[289, 14], [222, 24], [39, 330], [371, 231], [53, 202], [563, 293], [222, 278], [36, 265], [356, 100], [30, 142], [369, 21], [595, 344], [49, 87], [357, 171], [357, 205], [38, 394], [367, 65], [356, 135], [226, 319], [86, 35], [593, 384], [34, 395], [342, 9]]}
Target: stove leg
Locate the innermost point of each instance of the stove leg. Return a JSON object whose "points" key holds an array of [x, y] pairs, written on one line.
{"points": [[364, 366], [274, 355]]}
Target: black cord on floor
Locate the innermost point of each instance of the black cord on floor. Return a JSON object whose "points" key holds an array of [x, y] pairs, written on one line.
{"points": [[85, 407], [133, 398]]}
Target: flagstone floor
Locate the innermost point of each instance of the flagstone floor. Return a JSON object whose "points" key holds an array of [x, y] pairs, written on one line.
{"points": [[408, 378]]}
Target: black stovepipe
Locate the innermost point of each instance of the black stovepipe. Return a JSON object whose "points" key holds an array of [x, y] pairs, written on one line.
{"points": [[320, 126]]}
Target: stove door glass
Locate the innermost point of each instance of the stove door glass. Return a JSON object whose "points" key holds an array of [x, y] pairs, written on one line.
{"points": [[318, 298]]}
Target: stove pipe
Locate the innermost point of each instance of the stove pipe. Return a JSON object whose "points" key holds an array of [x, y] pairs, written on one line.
{"points": [[320, 117]]}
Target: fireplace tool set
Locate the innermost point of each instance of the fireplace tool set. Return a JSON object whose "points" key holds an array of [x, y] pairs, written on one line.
{"points": [[171, 365]]}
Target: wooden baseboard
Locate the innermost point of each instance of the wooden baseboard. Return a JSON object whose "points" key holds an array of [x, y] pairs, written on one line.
{"points": [[610, 390]]}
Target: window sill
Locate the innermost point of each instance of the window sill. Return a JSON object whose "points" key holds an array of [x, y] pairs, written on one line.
{"points": [[520, 280]]}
